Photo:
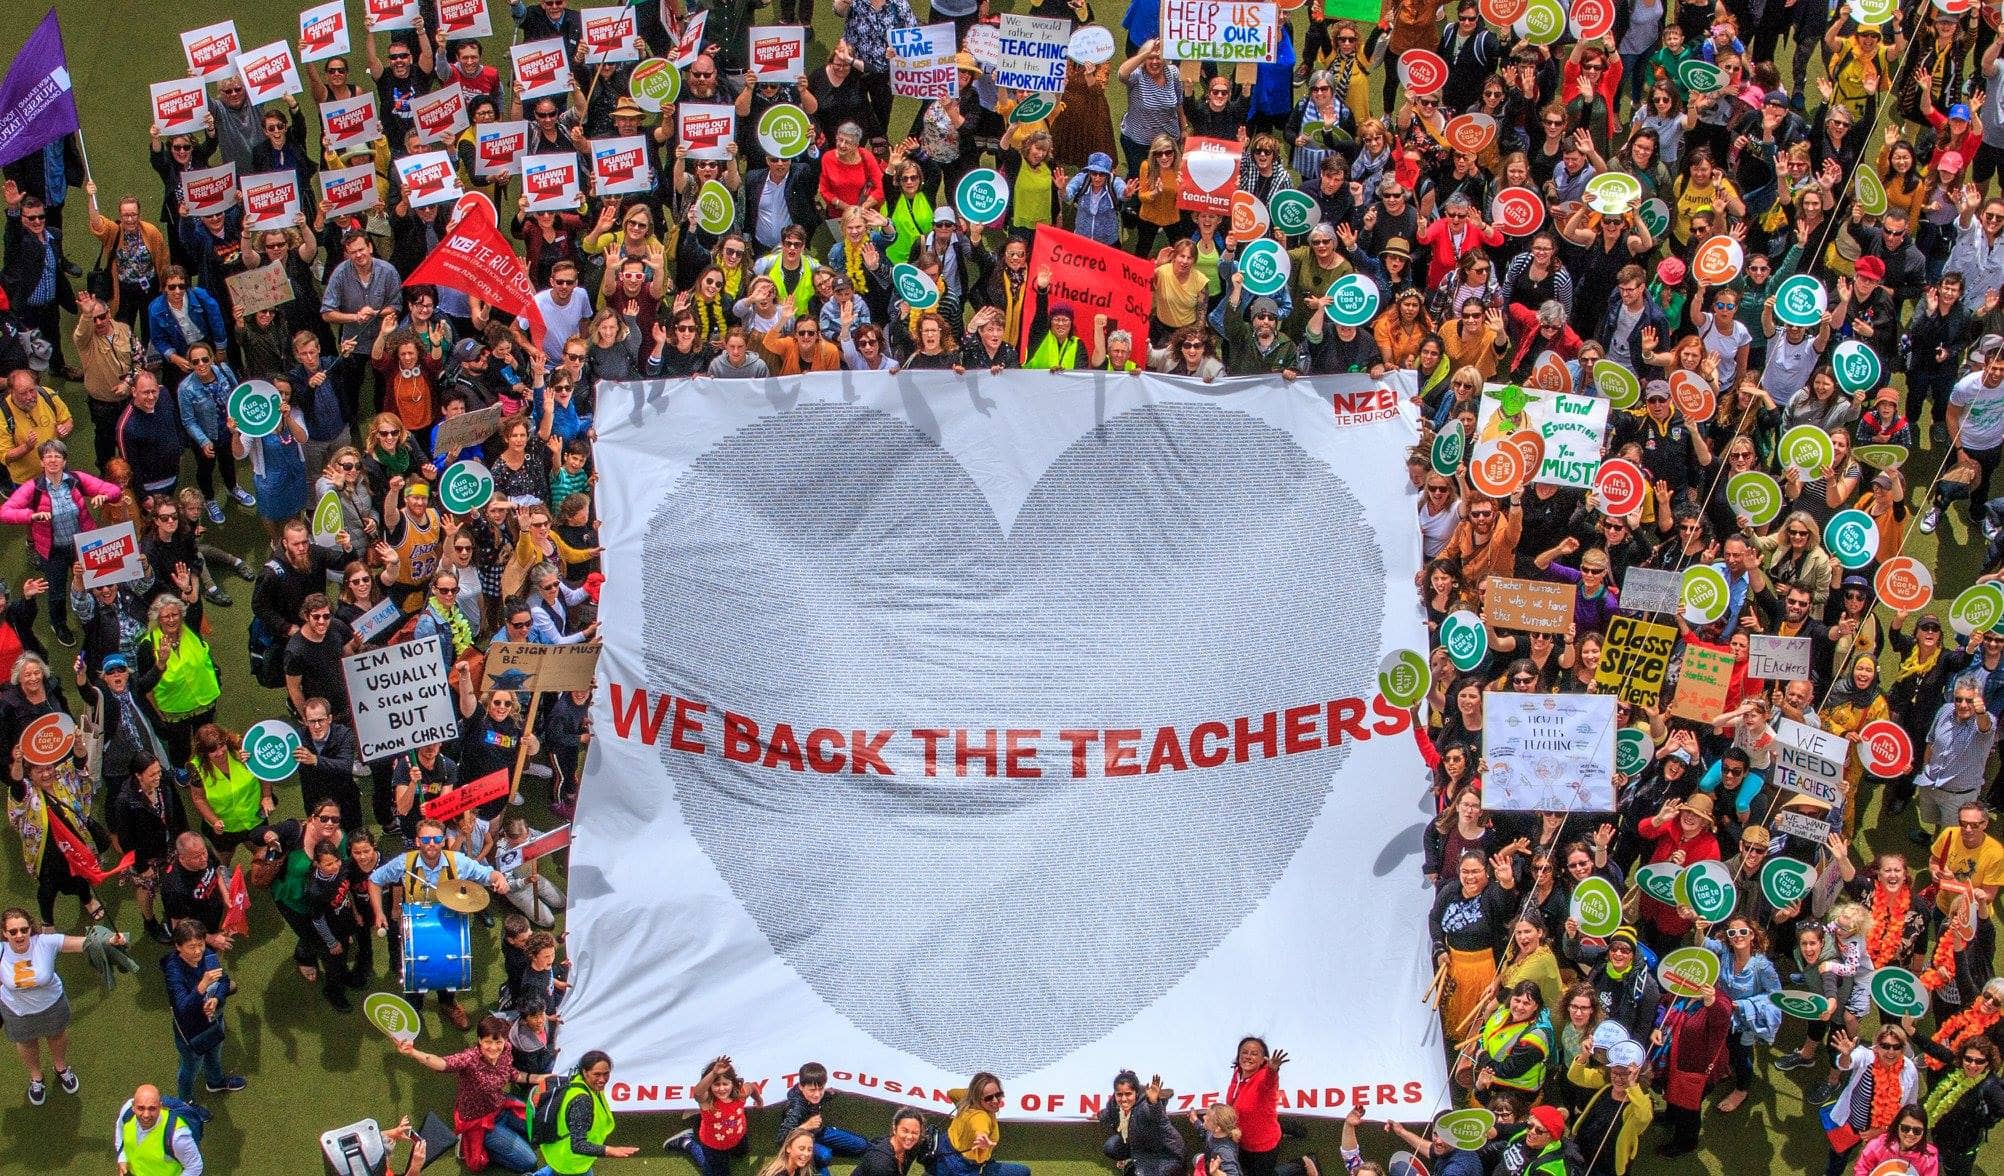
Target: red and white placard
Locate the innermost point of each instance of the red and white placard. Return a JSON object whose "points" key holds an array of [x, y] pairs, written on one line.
{"points": [[271, 200], [778, 53], [349, 191], [550, 183], [268, 72], [323, 31], [428, 177], [541, 67], [211, 50], [209, 191], [609, 34], [350, 124], [178, 106], [439, 115], [496, 147], [620, 165]]}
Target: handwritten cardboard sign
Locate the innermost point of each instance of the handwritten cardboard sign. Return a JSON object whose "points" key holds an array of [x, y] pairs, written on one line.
{"points": [[1535, 606], [1778, 659]]}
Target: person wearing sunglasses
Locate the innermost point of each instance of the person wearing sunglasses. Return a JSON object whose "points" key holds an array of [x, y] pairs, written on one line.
{"points": [[1966, 1097], [417, 874], [975, 1131], [1860, 1112]]}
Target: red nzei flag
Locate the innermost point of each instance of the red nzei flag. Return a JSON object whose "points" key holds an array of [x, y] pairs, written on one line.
{"points": [[476, 260]]}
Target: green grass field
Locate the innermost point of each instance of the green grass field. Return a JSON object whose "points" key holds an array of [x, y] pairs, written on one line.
{"points": [[310, 1068]]}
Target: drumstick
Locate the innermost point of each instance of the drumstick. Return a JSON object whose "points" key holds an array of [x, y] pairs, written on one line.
{"points": [[1433, 989]]}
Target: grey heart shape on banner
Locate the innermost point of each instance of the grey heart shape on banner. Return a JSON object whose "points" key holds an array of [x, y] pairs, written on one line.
{"points": [[833, 566]]}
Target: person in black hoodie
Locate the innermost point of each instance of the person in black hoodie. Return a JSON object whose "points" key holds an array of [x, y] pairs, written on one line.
{"points": [[1143, 1140], [145, 819], [892, 1154]]}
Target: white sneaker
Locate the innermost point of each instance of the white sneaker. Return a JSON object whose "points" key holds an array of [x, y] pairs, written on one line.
{"points": [[215, 512], [243, 497], [1930, 521]]}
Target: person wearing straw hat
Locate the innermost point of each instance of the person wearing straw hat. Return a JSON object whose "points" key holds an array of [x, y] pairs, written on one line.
{"points": [[1683, 833]]}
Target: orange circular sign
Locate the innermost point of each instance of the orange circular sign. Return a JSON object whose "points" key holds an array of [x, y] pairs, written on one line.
{"points": [[48, 739], [1621, 486], [1498, 469], [1471, 132], [1515, 212], [1249, 218], [1503, 13], [1717, 261], [1885, 749], [1693, 394], [1904, 583], [1592, 18], [1530, 447], [1423, 71], [1551, 373]]}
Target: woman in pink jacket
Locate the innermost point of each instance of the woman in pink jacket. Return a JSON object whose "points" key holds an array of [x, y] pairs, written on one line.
{"points": [[56, 506], [1906, 1141]]}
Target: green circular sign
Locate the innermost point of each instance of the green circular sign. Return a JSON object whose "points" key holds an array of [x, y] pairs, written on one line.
{"points": [[914, 286], [1543, 22], [1655, 216], [327, 519], [1872, 12], [1688, 971], [785, 131], [1467, 1129], [1806, 1006], [268, 748], [1855, 365], [1881, 457], [654, 83], [1466, 639], [1808, 449], [1292, 211], [256, 408], [1784, 881], [1403, 678], [1658, 881], [1353, 301], [1755, 495], [1596, 907], [982, 196], [393, 1015], [465, 487], [1898, 993], [1617, 383], [1613, 193], [1265, 266], [1852, 537], [1870, 190], [716, 210], [1977, 608], [1705, 596], [1700, 77], [1450, 445], [1800, 301], [1633, 749], [1032, 108], [1708, 890]]}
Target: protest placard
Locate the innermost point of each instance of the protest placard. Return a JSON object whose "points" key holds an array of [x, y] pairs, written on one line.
{"points": [[470, 795], [428, 177], [1801, 825], [540, 67], [347, 191], [496, 147], [706, 129], [1096, 279], [1647, 590], [620, 165], [385, 16], [209, 191], [471, 428], [178, 106], [268, 72], [211, 50], [108, 555], [272, 200], [323, 31], [1219, 30], [1704, 679], [542, 845], [1535, 606], [1032, 53], [439, 115], [1210, 175], [543, 669], [1778, 659], [1809, 761], [609, 34], [778, 53], [378, 620], [1635, 659], [922, 62], [401, 697], [1548, 752], [348, 124], [259, 289], [551, 182], [690, 43], [464, 19]]}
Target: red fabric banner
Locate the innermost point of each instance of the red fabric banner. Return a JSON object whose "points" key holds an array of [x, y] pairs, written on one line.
{"points": [[1094, 279], [79, 856], [236, 893], [470, 795], [475, 259]]}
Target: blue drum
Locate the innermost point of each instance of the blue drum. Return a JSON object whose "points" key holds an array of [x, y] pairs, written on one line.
{"points": [[438, 949]]}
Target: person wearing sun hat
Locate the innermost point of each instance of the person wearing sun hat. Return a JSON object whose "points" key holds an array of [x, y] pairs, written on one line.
{"points": [[1608, 1131], [1680, 827]]}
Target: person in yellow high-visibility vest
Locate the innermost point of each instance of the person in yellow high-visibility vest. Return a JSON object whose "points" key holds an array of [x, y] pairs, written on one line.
{"points": [[585, 1120], [152, 1141]]}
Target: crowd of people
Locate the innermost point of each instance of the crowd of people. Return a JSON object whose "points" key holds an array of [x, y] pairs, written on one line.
{"points": [[1865, 162]]}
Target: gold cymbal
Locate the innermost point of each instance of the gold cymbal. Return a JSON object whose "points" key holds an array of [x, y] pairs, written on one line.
{"points": [[460, 895]]}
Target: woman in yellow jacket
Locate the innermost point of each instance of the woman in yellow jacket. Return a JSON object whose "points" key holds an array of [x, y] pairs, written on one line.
{"points": [[1609, 1129], [134, 252], [172, 668], [975, 1131], [232, 802]]}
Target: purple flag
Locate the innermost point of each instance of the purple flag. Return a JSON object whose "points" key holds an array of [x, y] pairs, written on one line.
{"points": [[37, 106]]}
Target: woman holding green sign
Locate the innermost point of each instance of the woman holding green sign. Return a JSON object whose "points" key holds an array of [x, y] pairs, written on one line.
{"points": [[1746, 975]]}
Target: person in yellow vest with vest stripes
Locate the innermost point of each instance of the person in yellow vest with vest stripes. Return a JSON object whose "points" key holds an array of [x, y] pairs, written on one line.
{"points": [[151, 1140], [1514, 1044], [172, 668], [584, 1121], [232, 802]]}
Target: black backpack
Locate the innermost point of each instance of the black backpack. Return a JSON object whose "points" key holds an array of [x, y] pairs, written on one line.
{"points": [[546, 1108]]}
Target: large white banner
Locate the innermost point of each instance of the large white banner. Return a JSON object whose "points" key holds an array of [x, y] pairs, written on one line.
{"points": [[1024, 723]]}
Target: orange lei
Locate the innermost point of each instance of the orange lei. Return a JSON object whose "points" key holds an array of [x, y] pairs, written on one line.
{"points": [[1943, 970], [1889, 921], [1962, 1027], [1886, 1095]]}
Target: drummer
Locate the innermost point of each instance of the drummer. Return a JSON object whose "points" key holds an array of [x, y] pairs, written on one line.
{"points": [[419, 872]]}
